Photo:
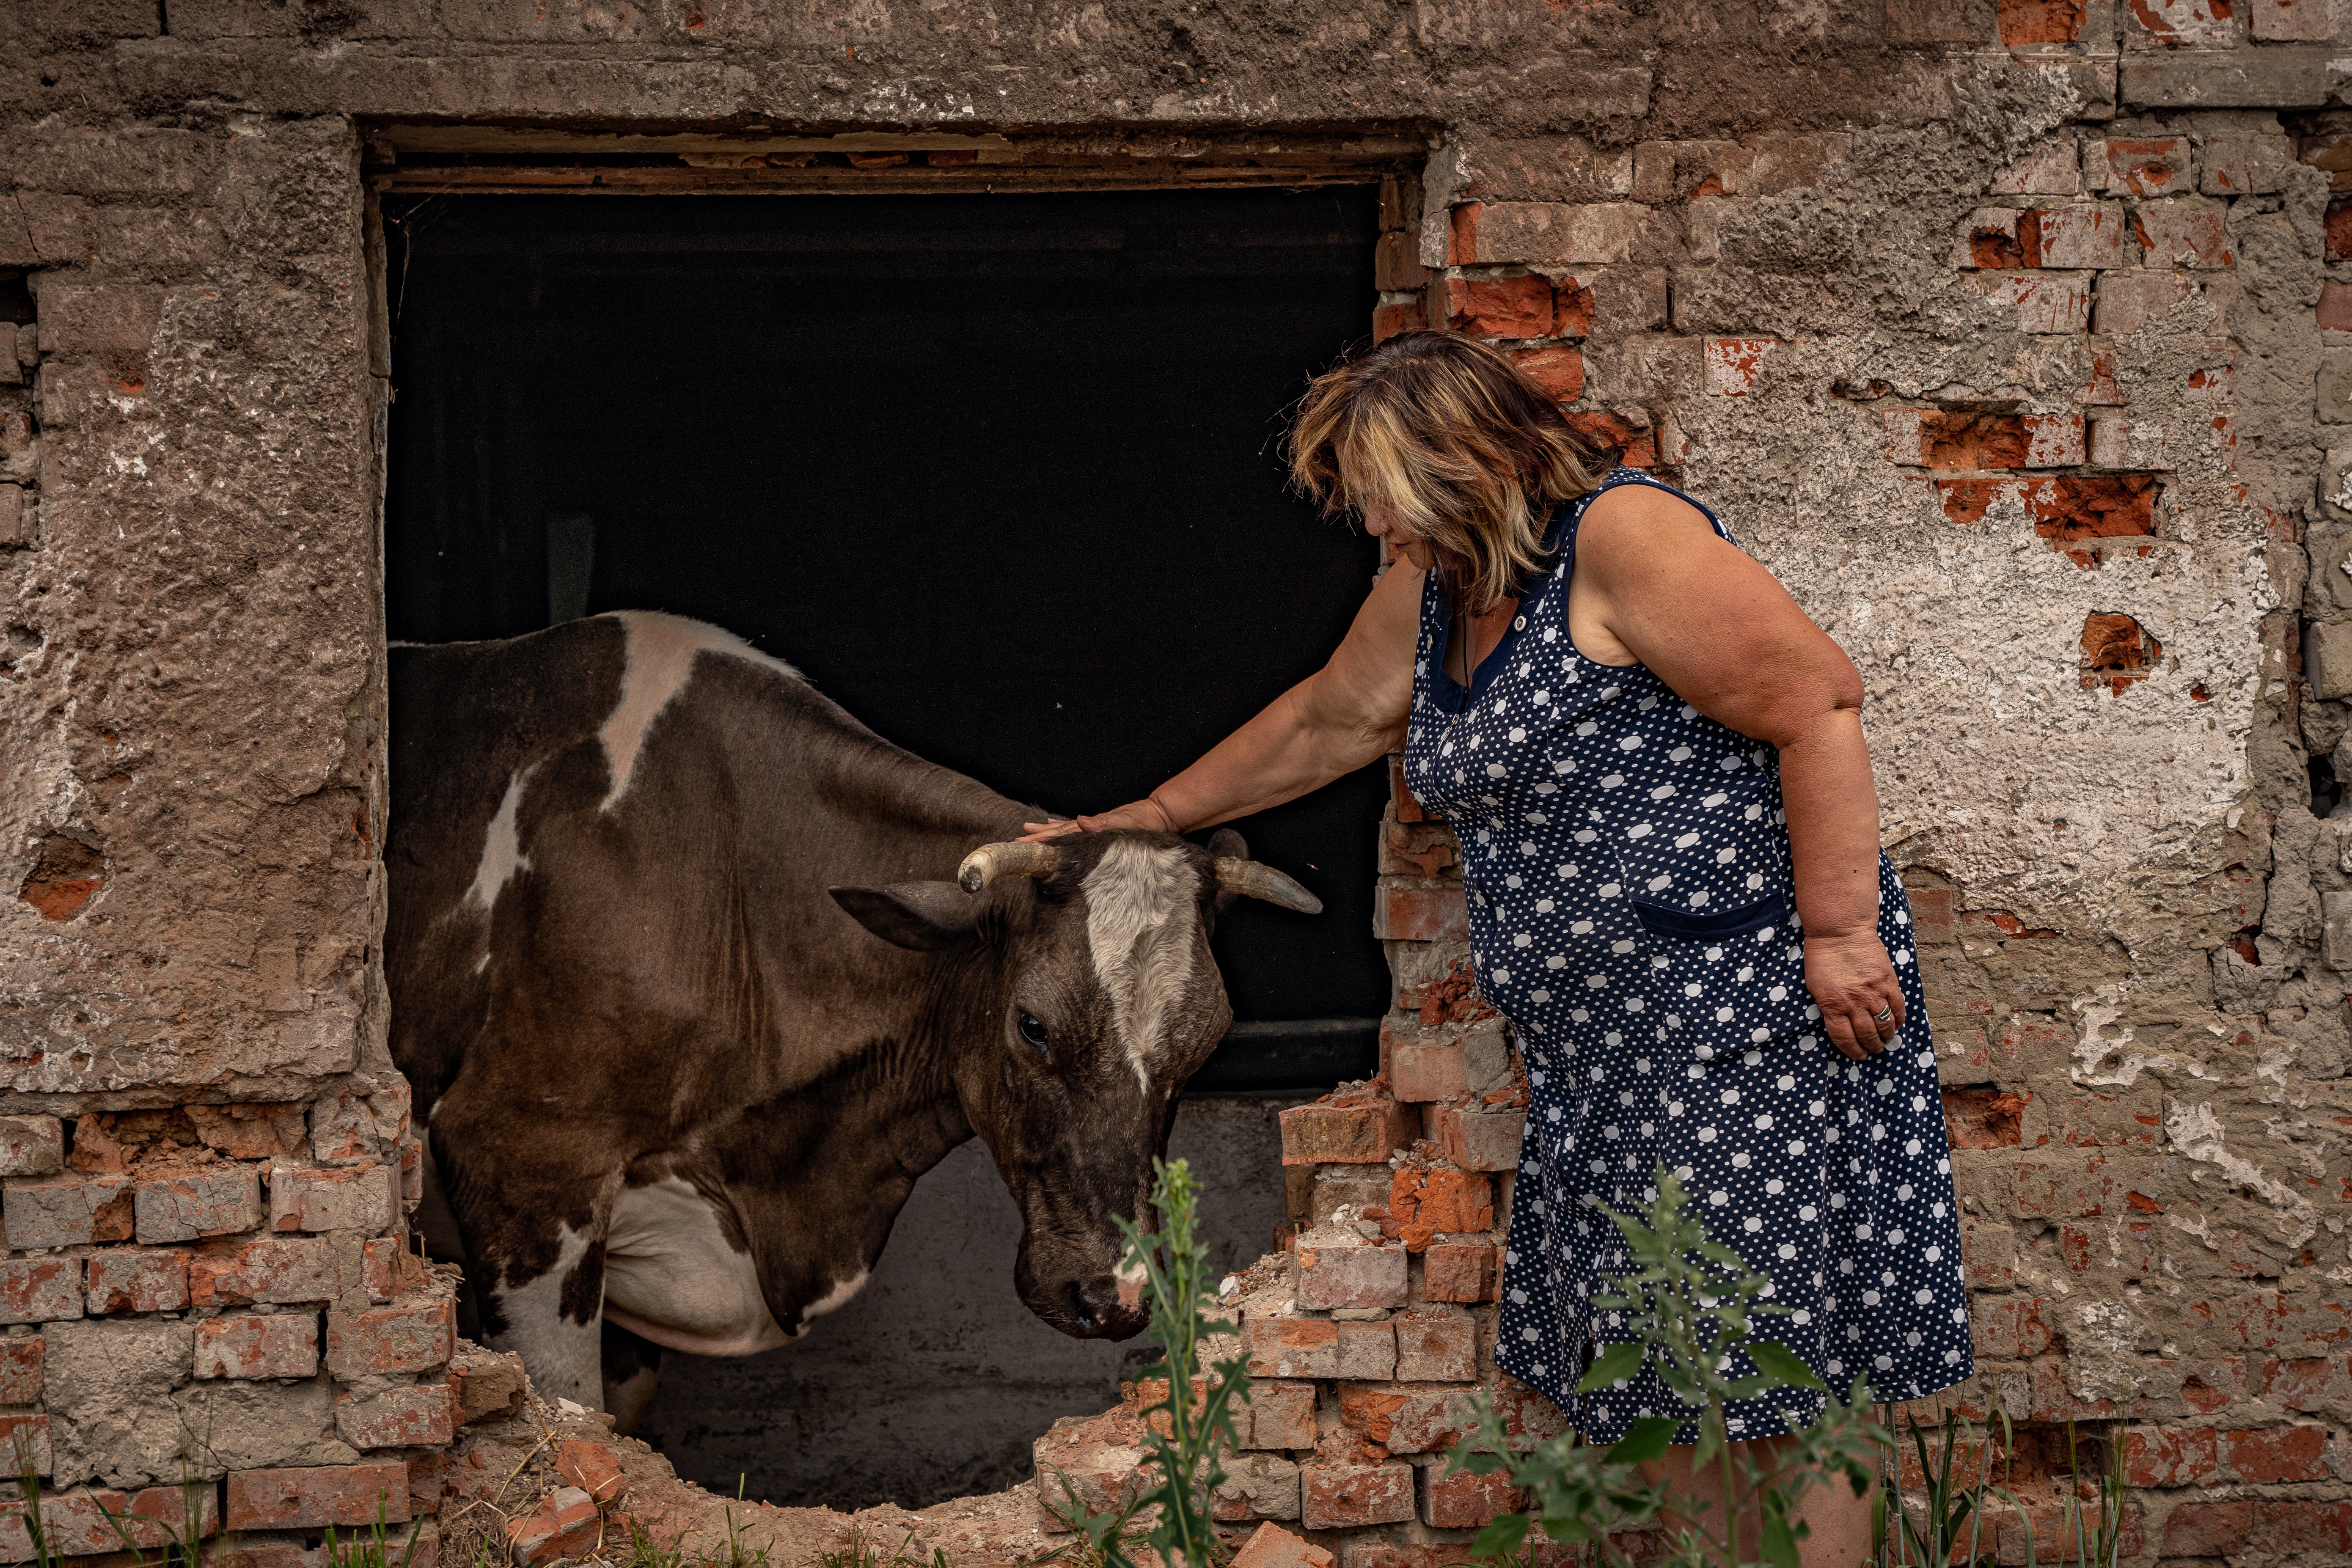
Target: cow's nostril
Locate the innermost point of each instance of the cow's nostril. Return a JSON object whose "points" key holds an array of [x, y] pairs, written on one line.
{"points": [[1084, 1310]]}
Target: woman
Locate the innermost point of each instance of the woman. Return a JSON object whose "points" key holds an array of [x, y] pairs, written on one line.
{"points": [[1613, 707]]}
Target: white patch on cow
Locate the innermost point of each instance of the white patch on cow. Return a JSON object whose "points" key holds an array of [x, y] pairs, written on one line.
{"points": [[565, 1359], [833, 1301], [1142, 916], [502, 855], [662, 651], [672, 1276]]}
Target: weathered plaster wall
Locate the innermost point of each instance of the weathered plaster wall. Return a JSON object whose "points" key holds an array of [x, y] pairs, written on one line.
{"points": [[1989, 326]]}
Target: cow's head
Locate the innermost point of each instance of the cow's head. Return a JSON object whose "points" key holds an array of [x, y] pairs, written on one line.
{"points": [[1087, 996]]}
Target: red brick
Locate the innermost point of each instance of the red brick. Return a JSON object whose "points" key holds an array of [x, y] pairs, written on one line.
{"points": [[276, 1271], [24, 1440], [1430, 1199], [39, 1289], [2116, 652], [313, 1497], [2044, 301], [2009, 1327], [277, 1344], [72, 1212], [2129, 1251], [1293, 1347], [1388, 321], [77, 1524], [2054, 1400], [1982, 1118], [2300, 1526], [2292, 21], [31, 1146], [342, 1197], [2335, 306], [1408, 809], [1465, 1501], [20, 1370], [1461, 1271], [1573, 308], [422, 1416], [2260, 1320], [2171, 1457], [1418, 849], [408, 1336], [1363, 1134], [1282, 1415], [564, 1525], [1408, 1417], [2025, 22], [1478, 1139], [1422, 914], [2076, 513], [2188, 231], [122, 1280], [1989, 1254], [1544, 234], [591, 1467], [2267, 1454], [1499, 306], [1350, 1496], [2304, 1385], [1427, 1070], [392, 1271], [2140, 166], [1733, 364], [220, 1202], [1436, 1347], [2208, 1529], [1396, 264], [1274, 1547], [2128, 299], [1367, 1350], [1557, 369], [1335, 1270]]}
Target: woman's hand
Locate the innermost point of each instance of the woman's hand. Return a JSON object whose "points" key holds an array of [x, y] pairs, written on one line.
{"points": [[1853, 983], [1145, 814]]}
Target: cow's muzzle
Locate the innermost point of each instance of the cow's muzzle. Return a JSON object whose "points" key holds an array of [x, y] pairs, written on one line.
{"points": [[1101, 1309]]}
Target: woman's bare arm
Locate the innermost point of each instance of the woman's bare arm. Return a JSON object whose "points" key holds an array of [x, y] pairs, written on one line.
{"points": [[1716, 627], [1346, 714]]}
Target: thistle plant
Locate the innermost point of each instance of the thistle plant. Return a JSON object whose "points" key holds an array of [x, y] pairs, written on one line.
{"points": [[1187, 1430], [1693, 1306]]}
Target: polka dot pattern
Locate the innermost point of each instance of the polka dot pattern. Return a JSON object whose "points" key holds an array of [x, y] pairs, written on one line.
{"points": [[1626, 860]]}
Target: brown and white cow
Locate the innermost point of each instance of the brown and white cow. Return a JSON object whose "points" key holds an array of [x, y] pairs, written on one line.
{"points": [[673, 1084]]}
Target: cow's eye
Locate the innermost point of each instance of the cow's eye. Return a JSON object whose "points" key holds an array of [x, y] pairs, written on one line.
{"points": [[1033, 1032]]}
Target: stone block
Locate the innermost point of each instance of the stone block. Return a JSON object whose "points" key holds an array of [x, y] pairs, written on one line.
{"points": [[2327, 659], [2244, 165], [2127, 300], [108, 1385], [1273, 1548], [31, 1145], [2334, 394], [348, 1128], [422, 1416], [1339, 1270], [1546, 234], [1436, 1346], [1257, 1486], [1354, 1497], [484, 1383], [408, 1336], [2186, 231], [220, 1202], [2044, 301], [74, 1211], [2279, 76], [39, 1289], [277, 1345], [358, 1197], [15, 518], [1282, 1415], [2053, 169], [313, 1497], [124, 1281], [276, 1271]]}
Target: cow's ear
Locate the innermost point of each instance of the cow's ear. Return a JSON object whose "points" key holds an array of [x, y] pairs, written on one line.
{"points": [[925, 916], [1226, 844]]}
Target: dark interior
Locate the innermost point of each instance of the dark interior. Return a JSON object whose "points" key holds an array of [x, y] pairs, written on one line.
{"points": [[999, 473]]}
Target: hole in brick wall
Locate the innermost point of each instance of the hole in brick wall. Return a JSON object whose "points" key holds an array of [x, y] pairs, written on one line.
{"points": [[67, 874], [1041, 431], [2327, 789], [15, 297]]}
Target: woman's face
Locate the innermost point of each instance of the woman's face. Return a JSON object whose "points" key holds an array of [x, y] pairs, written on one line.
{"points": [[1403, 541]]}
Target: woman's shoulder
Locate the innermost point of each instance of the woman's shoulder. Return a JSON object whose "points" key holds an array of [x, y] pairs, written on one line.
{"points": [[1634, 497]]}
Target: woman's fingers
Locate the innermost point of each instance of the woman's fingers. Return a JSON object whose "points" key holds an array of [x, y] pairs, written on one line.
{"points": [[1853, 983], [1059, 827]]}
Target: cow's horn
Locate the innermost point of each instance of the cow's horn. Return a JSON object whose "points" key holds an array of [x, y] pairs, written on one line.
{"points": [[1253, 880], [990, 861]]}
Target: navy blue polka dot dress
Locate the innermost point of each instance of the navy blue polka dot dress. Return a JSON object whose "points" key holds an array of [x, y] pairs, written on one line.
{"points": [[1627, 865]]}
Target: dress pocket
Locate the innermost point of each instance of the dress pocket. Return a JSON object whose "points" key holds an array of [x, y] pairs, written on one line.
{"points": [[1714, 866]]}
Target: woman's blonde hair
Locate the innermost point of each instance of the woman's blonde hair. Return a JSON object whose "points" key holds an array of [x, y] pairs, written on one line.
{"points": [[1453, 442]]}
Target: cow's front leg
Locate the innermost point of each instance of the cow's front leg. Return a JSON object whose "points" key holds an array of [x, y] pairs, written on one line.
{"points": [[632, 1376], [534, 1224]]}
